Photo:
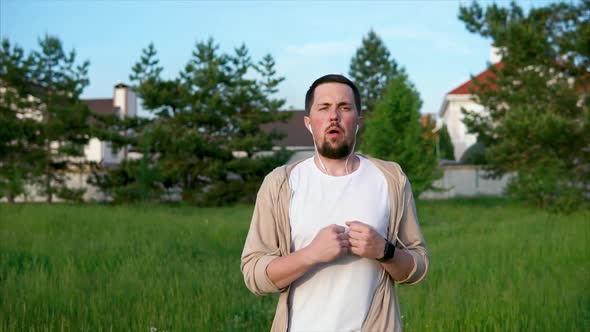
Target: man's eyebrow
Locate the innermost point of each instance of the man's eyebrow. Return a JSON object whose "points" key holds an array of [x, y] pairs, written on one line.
{"points": [[324, 103], [342, 103]]}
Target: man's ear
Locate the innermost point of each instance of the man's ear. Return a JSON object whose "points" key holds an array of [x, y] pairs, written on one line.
{"points": [[306, 121]]}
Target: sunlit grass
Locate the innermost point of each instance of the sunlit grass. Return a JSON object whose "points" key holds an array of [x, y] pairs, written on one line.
{"points": [[495, 266]]}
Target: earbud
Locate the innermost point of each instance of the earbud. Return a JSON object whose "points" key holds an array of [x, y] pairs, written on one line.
{"points": [[309, 127], [357, 129]]}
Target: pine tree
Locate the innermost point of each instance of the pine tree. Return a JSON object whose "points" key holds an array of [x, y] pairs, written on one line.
{"points": [[57, 82], [371, 68], [446, 149], [210, 112], [394, 132], [49, 123], [537, 118], [18, 128]]}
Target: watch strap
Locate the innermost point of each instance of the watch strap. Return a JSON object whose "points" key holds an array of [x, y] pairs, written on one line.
{"points": [[388, 252]]}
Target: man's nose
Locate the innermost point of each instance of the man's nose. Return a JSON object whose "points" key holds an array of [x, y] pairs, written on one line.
{"points": [[334, 113]]}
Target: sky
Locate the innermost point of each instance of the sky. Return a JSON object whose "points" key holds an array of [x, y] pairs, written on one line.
{"points": [[307, 39]]}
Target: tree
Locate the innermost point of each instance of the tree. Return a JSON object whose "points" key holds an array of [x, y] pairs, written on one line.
{"points": [[371, 68], [474, 155], [210, 112], [131, 180], [56, 84], [49, 122], [537, 118], [394, 132], [446, 149], [16, 157]]}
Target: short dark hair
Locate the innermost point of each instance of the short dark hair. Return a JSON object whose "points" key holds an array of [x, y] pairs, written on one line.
{"points": [[332, 78]]}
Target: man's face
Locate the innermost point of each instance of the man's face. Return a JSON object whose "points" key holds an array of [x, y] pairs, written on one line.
{"points": [[333, 118]]}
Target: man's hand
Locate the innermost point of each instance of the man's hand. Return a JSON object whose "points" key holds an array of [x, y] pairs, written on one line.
{"points": [[328, 244], [365, 241]]}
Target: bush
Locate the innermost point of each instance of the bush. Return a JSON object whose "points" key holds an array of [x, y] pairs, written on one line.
{"points": [[474, 155], [546, 186]]}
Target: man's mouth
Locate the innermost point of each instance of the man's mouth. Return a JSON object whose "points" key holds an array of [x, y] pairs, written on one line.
{"points": [[334, 131]]}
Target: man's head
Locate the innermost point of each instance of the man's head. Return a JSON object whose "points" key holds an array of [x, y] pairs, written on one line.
{"points": [[332, 78], [333, 106]]}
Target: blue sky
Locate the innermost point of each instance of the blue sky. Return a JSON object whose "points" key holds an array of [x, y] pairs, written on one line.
{"points": [[307, 39]]}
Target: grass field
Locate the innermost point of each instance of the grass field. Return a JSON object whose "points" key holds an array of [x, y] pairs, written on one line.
{"points": [[495, 266]]}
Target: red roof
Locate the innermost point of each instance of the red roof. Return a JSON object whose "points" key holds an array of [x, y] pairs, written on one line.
{"points": [[465, 88]]}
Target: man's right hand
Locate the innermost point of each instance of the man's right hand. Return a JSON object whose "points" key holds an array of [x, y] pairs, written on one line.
{"points": [[328, 244]]}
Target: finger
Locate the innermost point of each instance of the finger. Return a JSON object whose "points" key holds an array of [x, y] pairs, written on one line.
{"points": [[357, 226], [351, 222], [338, 228], [355, 234], [355, 243]]}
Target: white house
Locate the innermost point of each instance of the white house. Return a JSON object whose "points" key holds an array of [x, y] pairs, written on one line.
{"points": [[123, 104], [461, 97]]}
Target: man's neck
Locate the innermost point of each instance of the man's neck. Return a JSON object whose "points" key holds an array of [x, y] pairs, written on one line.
{"points": [[337, 167]]}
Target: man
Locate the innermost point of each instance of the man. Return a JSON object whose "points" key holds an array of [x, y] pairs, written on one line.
{"points": [[332, 233]]}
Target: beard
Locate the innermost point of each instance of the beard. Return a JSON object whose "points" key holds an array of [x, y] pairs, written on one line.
{"points": [[339, 150]]}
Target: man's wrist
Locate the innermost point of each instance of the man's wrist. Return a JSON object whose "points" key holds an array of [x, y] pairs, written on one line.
{"points": [[388, 252], [308, 257]]}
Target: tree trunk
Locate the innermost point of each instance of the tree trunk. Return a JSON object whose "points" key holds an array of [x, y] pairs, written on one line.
{"points": [[48, 171]]}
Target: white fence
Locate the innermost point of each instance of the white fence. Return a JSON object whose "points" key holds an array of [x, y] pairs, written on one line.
{"points": [[74, 181], [460, 181], [466, 181]]}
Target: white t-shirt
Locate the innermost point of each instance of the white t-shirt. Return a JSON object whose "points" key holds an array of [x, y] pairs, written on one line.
{"points": [[335, 296]]}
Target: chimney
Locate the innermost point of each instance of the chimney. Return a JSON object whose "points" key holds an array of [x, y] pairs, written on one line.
{"points": [[495, 54], [125, 99]]}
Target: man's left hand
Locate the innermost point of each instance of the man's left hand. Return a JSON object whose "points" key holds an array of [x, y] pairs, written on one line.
{"points": [[365, 241]]}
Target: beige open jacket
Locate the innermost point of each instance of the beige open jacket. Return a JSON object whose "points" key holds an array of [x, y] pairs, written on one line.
{"points": [[269, 237]]}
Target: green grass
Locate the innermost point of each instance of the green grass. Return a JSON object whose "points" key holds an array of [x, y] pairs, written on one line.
{"points": [[495, 266]]}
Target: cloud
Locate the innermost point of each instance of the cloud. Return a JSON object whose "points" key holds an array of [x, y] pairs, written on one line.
{"points": [[437, 39]]}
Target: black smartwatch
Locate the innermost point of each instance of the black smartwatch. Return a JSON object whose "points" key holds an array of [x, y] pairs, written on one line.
{"points": [[388, 252]]}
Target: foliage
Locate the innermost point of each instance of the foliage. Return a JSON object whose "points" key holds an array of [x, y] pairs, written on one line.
{"points": [[18, 129], [538, 114], [474, 155], [129, 182], [371, 68], [394, 132], [212, 110], [49, 121], [252, 172], [445, 145], [547, 186]]}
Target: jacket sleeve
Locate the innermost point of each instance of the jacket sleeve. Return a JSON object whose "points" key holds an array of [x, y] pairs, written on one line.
{"points": [[262, 242], [411, 238]]}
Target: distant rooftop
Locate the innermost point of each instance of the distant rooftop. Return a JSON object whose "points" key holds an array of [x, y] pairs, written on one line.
{"points": [[465, 88], [101, 106], [294, 128]]}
